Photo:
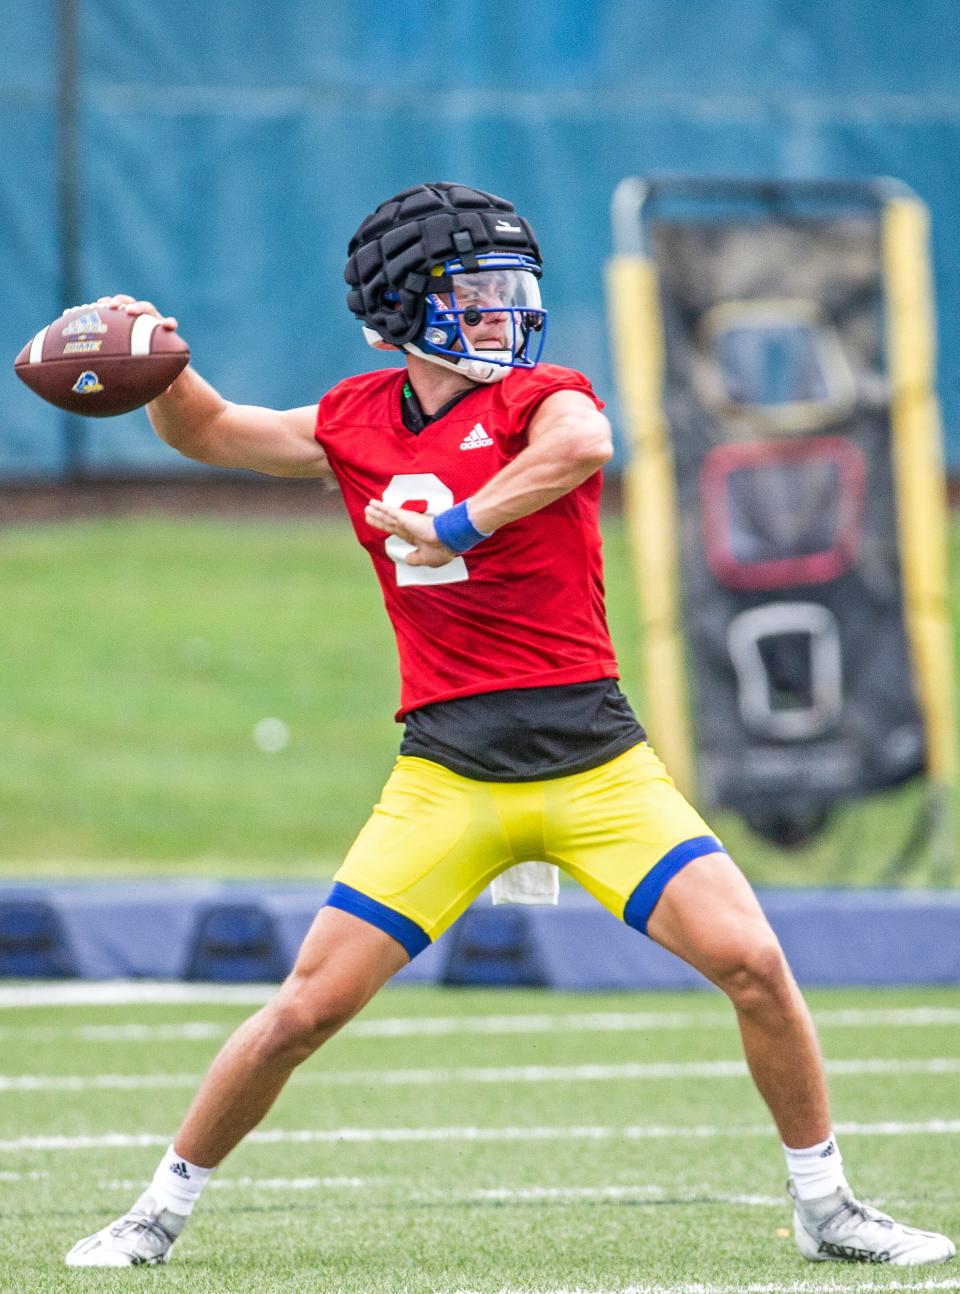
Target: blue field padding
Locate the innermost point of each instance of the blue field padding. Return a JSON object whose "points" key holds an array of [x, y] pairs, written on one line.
{"points": [[235, 943], [32, 941], [219, 930], [493, 947]]}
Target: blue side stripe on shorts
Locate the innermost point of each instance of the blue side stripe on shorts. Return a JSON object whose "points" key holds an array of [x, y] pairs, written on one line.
{"points": [[644, 898], [401, 928]]}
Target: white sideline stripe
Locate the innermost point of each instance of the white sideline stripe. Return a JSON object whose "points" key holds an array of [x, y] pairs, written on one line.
{"points": [[133, 993], [767, 1287], [631, 1132], [36, 346], [153, 992], [140, 334], [629, 1070]]}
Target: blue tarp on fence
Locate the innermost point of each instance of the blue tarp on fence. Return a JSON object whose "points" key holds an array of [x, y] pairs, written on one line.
{"points": [[227, 152]]}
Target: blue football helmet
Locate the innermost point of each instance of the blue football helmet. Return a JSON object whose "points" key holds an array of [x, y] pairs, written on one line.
{"points": [[450, 274]]}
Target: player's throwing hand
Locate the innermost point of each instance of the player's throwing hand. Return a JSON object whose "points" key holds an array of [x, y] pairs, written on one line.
{"points": [[414, 528], [120, 301]]}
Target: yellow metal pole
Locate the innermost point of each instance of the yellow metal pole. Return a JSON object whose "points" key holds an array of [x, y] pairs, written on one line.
{"points": [[921, 498], [919, 472], [651, 508]]}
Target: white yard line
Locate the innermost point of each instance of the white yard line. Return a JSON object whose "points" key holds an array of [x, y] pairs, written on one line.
{"points": [[522, 1194], [494, 1194], [453, 1026], [702, 1194], [256, 1183], [510, 1193], [641, 1192], [575, 1022], [188, 1031], [895, 1017], [634, 1021], [856, 1285], [630, 1132], [624, 1072], [94, 1083]]}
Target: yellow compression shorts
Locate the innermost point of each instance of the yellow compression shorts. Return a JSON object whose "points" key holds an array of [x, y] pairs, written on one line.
{"points": [[437, 839]]}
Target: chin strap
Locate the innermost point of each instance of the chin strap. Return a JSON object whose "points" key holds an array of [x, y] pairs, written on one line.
{"points": [[477, 370], [373, 338]]}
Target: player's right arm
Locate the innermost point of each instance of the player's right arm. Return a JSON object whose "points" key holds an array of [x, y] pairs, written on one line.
{"points": [[199, 423]]}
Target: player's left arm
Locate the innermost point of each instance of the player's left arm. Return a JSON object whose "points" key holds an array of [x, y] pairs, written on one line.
{"points": [[568, 439]]}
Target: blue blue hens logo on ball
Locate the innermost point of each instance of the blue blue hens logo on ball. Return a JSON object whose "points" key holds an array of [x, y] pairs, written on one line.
{"points": [[87, 383]]}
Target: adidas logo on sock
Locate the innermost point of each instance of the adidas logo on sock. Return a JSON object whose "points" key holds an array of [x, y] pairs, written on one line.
{"points": [[476, 438], [180, 1169]]}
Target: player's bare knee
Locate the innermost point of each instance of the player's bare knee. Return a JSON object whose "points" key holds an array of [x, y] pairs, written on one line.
{"points": [[755, 975], [303, 1016]]}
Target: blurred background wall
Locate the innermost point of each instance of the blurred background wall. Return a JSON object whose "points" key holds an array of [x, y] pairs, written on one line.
{"points": [[226, 152]]}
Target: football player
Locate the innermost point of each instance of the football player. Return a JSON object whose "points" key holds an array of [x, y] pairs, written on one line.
{"points": [[472, 478]]}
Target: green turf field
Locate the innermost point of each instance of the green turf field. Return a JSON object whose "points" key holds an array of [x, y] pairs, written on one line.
{"points": [[457, 1141], [138, 655]]}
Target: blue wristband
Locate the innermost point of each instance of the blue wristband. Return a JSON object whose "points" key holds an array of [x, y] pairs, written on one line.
{"points": [[456, 531]]}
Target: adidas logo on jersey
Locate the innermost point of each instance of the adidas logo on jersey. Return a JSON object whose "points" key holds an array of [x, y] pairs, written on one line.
{"points": [[476, 438]]}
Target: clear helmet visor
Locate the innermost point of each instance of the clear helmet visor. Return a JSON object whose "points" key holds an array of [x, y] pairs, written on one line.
{"points": [[497, 290], [494, 313]]}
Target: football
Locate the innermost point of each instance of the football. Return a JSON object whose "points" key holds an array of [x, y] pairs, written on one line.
{"points": [[100, 361]]}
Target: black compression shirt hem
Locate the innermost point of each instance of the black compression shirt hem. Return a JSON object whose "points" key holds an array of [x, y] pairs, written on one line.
{"points": [[465, 769]]}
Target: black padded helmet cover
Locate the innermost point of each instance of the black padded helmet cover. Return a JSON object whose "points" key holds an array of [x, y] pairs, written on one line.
{"points": [[391, 254]]}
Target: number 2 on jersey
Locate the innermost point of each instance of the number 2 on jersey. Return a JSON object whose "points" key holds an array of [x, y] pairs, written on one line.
{"points": [[422, 492]]}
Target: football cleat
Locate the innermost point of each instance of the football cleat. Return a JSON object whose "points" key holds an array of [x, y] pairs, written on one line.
{"points": [[141, 1238], [846, 1231]]}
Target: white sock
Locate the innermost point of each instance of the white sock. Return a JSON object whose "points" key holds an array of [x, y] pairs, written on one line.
{"points": [[177, 1184], [816, 1170]]}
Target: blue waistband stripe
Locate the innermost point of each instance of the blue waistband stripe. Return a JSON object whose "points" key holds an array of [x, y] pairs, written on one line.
{"points": [[644, 898], [406, 932]]}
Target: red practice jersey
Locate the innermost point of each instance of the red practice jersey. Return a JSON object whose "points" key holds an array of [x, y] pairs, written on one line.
{"points": [[524, 608]]}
